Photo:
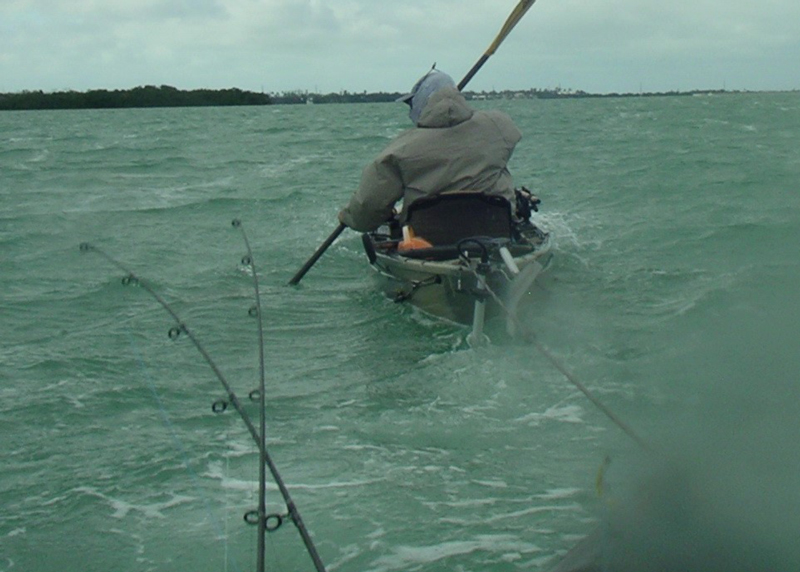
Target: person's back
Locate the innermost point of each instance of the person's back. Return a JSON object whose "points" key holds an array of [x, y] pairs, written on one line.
{"points": [[451, 148]]}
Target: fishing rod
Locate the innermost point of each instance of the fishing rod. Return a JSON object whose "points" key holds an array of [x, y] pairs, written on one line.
{"points": [[266, 523], [262, 444], [513, 19]]}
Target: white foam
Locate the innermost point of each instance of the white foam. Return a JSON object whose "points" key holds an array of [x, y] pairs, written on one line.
{"points": [[528, 511], [553, 494], [513, 515], [215, 471], [470, 503], [406, 556], [123, 508], [492, 484], [327, 428], [562, 413]]}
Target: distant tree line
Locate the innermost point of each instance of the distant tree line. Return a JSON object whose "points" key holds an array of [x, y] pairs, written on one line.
{"points": [[299, 97], [144, 96], [291, 97], [168, 96], [560, 93]]}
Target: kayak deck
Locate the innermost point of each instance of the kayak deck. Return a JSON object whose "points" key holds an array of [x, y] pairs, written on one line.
{"points": [[447, 281]]}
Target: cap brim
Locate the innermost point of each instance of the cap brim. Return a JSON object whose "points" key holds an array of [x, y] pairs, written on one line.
{"points": [[405, 98]]}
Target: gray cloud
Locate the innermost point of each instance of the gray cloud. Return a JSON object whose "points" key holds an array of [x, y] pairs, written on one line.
{"points": [[609, 45]]}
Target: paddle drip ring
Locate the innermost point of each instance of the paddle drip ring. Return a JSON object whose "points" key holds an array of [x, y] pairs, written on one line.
{"points": [[253, 312], [219, 406], [175, 332], [255, 395], [236, 223], [129, 279], [85, 247], [247, 261]]}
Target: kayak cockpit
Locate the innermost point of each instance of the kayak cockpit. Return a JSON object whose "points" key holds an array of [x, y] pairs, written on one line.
{"points": [[459, 255]]}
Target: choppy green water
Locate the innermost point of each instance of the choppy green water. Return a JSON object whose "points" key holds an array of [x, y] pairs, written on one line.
{"points": [[673, 295]]}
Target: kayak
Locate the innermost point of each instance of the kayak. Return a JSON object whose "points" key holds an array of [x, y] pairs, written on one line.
{"points": [[462, 257]]}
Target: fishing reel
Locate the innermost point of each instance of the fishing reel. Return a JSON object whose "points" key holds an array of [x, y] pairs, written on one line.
{"points": [[527, 203]]}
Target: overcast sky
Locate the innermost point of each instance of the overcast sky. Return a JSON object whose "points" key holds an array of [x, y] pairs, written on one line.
{"points": [[385, 45]]}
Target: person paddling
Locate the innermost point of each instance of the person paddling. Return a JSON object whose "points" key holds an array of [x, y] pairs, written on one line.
{"points": [[365, 203], [451, 147]]}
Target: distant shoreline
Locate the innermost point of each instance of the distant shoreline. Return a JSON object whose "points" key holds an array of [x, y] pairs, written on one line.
{"points": [[138, 97], [168, 96]]}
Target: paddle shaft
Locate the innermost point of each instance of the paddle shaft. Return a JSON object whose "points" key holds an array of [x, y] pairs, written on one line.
{"points": [[478, 65], [320, 251]]}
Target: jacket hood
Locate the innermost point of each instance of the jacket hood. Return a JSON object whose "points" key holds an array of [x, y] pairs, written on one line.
{"points": [[422, 91], [444, 108]]}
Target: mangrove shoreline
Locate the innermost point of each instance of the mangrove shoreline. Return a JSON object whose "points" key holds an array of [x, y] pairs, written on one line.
{"points": [[168, 96]]}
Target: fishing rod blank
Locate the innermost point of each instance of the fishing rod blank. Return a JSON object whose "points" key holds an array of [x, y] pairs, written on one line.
{"points": [[262, 445], [263, 519], [266, 523]]}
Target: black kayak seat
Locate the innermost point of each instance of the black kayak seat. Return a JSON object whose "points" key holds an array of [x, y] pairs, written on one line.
{"points": [[446, 218]]}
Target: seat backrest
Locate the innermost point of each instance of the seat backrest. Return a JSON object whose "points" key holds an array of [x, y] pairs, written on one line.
{"points": [[446, 218]]}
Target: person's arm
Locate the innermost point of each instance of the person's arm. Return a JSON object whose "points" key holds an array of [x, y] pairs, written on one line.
{"points": [[372, 203]]}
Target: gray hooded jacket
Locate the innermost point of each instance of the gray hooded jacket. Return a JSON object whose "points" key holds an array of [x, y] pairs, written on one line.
{"points": [[452, 148]]}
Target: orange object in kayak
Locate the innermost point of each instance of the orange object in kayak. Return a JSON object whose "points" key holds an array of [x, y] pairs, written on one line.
{"points": [[411, 242]]}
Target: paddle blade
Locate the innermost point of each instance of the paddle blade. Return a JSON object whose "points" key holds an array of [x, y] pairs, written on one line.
{"points": [[511, 22], [513, 19]]}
